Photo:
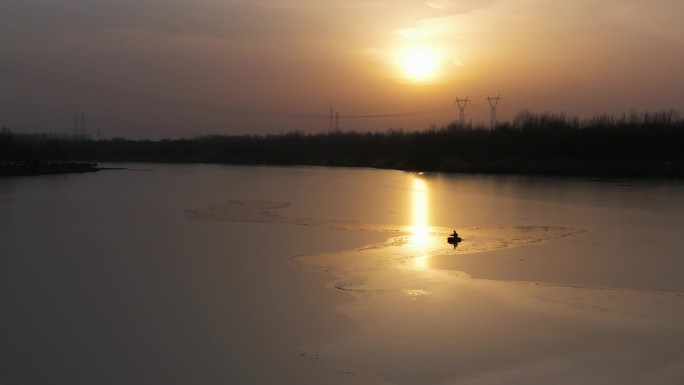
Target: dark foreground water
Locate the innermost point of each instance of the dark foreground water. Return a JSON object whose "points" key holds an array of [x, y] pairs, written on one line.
{"points": [[254, 275]]}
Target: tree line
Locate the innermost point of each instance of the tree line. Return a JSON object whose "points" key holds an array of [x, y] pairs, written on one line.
{"points": [[639, 144]]}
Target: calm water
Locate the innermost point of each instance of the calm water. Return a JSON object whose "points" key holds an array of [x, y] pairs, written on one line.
{"points": [[109, 278]]}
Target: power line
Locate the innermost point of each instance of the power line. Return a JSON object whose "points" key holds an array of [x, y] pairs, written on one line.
{"points": [[193, 104], [396, 114], [158, 99]]}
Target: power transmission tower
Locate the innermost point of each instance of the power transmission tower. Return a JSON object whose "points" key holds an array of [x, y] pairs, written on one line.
{"points": [[462, 103], [337, 121], [493, 102], [330, 122]]}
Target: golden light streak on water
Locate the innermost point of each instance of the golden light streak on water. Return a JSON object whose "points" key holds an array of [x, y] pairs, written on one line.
{"points": [[419, 237]]}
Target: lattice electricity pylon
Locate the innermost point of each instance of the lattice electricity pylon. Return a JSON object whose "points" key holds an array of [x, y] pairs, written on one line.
{"points": [[493, 102], [330, 122], [462, 103]]}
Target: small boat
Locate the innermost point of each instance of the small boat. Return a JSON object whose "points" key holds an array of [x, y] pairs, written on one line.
{"points": [[454, 239]]}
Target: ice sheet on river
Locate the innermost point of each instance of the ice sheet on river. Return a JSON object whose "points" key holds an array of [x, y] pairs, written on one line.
{"points": [[476, 239], [418, 324]]}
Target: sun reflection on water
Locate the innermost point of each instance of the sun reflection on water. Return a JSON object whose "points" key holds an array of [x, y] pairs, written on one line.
{"points": [[419, 237]]}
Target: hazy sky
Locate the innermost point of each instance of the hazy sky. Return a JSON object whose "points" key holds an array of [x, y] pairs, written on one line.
{"points": [[171, 68]]}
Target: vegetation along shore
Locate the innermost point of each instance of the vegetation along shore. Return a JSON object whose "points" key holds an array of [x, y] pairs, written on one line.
{"points": [[631, 145]]}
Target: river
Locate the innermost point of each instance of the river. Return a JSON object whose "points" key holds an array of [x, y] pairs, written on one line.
{"points": [[209, 274]]}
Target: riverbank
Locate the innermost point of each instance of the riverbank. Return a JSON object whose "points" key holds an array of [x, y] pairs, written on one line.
{"points": [[8, 169], [548, 167]]}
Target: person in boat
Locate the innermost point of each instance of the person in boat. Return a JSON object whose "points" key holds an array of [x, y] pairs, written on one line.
{"points": [[455, 234]]}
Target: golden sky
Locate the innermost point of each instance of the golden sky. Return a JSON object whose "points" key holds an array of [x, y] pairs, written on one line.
{"points": [[171, 68]]}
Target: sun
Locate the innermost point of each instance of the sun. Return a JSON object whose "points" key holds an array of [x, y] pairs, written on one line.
{"points": [[418, 64]]}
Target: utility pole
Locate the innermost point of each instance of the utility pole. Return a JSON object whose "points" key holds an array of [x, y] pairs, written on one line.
{"points": [[462, 103], [493, 102]]}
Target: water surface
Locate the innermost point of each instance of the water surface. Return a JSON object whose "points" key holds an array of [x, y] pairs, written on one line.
{"points": [[217, 274]]}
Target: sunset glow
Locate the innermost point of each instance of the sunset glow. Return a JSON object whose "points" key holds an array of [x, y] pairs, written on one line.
{"points": [[183, 68]]}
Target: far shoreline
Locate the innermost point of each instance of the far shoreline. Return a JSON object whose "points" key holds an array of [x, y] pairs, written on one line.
{"points": [[555, 168], [630, 146]]}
